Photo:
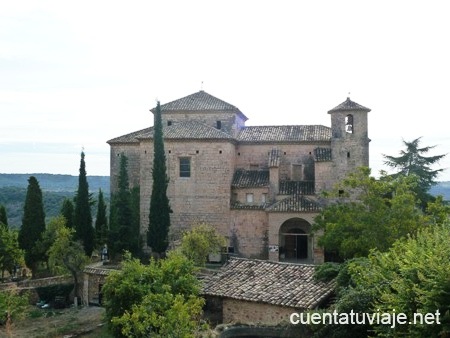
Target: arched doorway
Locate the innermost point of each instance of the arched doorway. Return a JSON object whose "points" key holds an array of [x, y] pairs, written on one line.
{"points": [[295, 241]]}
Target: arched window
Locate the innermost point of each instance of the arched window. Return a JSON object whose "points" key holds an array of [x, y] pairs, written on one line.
{"points": [[349, 124]]}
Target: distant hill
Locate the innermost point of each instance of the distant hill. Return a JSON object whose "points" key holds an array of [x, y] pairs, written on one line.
{"points": [[442, 188], [55, 188], [50, 182]]}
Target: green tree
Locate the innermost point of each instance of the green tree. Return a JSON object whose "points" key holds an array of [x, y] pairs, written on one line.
{"points": [[33, 224], [159, 218], [101, 222], [412, 161], [3, 217], [412, 277], [364, 213], [10, 253], [124, 229], [65, 254], [157, 300], [12, 306], [201, 241], [83, 217], [67, 210]]}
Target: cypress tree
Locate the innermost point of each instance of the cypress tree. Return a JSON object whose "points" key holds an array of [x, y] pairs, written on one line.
{"points": [[83, 216], [101, 222], [33, 224], [67, 210], [124, 234], [3, 218], [159, 219]]}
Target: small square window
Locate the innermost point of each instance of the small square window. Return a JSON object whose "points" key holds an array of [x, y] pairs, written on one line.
{"points": [[169, 123], [249, 198], [185, 167], [264, 198], [219, 124]]}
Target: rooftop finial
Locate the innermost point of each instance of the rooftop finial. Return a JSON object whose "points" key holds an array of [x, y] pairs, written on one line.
{"points": [[348, 97], [201, 87]]}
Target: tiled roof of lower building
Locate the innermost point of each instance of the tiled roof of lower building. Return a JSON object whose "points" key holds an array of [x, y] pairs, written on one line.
{"points": [[296, 188], [250, 178], [295, 203], [241, 206], [311, 133], [276, 283], [192, 130]]}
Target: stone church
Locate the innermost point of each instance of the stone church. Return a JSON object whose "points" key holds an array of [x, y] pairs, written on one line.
{"points": [[257, 185]]}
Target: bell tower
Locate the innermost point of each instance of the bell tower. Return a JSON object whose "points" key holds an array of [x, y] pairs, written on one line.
{"points": [[349, 138]]}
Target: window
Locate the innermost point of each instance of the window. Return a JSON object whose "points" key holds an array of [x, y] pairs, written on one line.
{"points": [[249, 198], [219, 124], [264, 198], [169, 123], [349, 124], [185, 167]]}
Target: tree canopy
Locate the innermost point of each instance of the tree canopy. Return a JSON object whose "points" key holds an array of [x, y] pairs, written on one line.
{"points": [[124, 227], [200, 241], [65, 254], [3, 217], [82, 216], [159, 218], [157, 300], [412, 161], [364, 213], [33, 224], [101, 222], [67, 210]]}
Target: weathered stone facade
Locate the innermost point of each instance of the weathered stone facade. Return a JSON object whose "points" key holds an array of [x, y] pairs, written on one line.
{"points": [[256, 185]]}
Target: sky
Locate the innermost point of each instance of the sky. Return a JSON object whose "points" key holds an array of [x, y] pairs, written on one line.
{"points": [[75, 74]]}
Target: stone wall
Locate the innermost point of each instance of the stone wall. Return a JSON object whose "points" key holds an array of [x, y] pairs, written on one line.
{"points": [[202, 197], [250, 230], [257, 155], [131, 151], [238, 311]]}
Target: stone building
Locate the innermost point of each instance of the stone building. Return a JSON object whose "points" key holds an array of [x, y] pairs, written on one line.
{"points": [[255, 291], [257, 185]]}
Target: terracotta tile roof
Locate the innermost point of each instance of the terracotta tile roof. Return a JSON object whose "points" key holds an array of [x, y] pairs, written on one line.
{"points": [[349, 105], [99, 271], [295, 203], [131, 137], [274, 158], [200, 101], [285, 133], [192, 130], [322, 154], [250, 178], [296, 188], [241, 206], [283, 284]]}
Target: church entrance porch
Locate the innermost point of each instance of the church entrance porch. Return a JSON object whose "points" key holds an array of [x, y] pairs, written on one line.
{"points": [[295, 241]]}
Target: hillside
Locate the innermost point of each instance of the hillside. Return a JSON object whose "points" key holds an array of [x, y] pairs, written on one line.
{"points": [[442, 188], [50, 182], [55, 188]]}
